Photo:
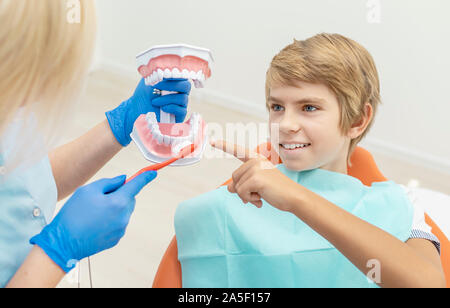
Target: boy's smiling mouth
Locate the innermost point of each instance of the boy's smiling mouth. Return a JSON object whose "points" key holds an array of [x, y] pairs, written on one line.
{"points": [[294, 146]]}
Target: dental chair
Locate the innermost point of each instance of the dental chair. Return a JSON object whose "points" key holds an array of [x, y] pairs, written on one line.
{"points": [[363, 168]]}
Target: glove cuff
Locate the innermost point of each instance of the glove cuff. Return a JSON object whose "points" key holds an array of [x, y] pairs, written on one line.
{"points": [[48, 242], [116, 119]]}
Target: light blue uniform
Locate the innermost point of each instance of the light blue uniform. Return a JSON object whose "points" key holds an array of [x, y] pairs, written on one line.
{"points": [[224, 243], [27, 204]]}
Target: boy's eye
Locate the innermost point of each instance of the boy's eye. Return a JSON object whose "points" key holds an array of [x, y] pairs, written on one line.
{"points": [[308, 108], [277, 107]]}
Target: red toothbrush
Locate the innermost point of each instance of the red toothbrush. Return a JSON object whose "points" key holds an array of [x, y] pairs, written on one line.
{"points": [[181, 154]]}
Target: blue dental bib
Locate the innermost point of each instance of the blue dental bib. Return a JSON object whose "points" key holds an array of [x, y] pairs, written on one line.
{"points": [[223, 243]]}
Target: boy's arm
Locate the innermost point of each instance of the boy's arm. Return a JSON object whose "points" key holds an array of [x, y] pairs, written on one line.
{"points": [[428, 251], [412, 264]]}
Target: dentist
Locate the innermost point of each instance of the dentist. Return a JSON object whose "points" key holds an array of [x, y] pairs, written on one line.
{"points": [[45, 60]]}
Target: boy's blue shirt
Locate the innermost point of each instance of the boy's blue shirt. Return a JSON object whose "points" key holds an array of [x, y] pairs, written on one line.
{"points": [[224, 243]]}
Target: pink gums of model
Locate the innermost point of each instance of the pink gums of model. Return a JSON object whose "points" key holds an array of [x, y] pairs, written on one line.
{"points": [[158, 140], [174, 66]]}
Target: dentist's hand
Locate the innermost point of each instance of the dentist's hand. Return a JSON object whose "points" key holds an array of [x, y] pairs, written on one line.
{"points": [[143, 101], [93, 220]]}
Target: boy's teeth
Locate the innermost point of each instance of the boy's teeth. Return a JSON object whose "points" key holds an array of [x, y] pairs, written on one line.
{"points": [[294, 146]]}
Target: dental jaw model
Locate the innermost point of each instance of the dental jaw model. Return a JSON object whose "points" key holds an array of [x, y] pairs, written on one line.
{"points": [[158, 140]]}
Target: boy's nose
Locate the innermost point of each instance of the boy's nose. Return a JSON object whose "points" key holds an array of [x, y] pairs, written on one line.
{"points": [[290, 123]]}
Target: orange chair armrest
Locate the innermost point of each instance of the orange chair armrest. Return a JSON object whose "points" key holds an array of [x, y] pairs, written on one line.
{"points": [[169, 270]]}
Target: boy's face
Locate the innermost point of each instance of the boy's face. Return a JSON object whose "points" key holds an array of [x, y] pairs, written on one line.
{"points": [[308, 114]]}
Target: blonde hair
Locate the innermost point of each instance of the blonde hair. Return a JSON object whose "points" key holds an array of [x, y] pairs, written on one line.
{"points": [[340, 63], [44, 61]]}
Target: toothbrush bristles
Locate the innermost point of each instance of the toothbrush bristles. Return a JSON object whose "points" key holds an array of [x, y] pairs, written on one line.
{"points": [[187, 151], [183, 149]]}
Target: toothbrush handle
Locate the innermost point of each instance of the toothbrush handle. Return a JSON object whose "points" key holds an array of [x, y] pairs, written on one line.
{"points": [[154, 167], [164, 116], [167, 117]]}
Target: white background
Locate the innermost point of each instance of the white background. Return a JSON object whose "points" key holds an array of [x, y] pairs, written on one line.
{"points": [[410, 45]]}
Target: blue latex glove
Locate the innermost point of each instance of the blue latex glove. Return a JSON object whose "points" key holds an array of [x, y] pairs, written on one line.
{"points": [[94, 219], [121, 120]]}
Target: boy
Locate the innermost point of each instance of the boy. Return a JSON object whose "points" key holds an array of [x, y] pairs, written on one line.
{"points": [[312, 224]]}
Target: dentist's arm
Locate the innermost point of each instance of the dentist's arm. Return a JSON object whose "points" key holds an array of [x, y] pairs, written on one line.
{"points": [[94, 219], [75, 163], [38, 271]]}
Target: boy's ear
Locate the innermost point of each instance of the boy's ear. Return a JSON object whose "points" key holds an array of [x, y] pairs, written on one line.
{"points": [[358, 128]]}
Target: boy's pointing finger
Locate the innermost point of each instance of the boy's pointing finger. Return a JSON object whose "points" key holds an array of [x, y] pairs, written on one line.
{"points": [[237, 151]]}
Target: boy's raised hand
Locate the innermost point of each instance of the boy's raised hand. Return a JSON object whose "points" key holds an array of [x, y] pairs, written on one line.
{"points": [[258, 179]]}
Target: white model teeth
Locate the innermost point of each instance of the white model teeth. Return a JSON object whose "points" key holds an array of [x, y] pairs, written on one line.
{"points": [[160, 74], [166, 140], [154, 77], [153, 126], [159, 137], [295, 146], [157, 76], [194, 122], [151, 117], [176, 73]]}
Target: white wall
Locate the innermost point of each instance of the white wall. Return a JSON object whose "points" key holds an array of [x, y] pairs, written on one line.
{"points": [[410, 45]]}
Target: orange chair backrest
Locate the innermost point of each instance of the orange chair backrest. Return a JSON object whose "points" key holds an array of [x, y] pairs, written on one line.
{"points": [[363, 168]]}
